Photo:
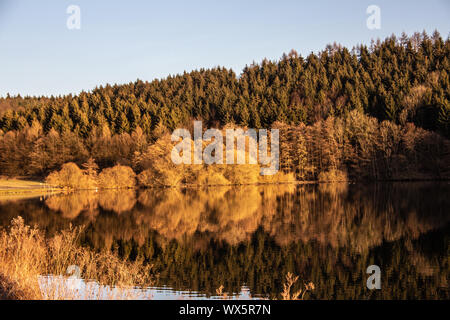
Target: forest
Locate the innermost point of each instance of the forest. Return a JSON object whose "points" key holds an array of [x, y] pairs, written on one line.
{"points": [[378, 112]]}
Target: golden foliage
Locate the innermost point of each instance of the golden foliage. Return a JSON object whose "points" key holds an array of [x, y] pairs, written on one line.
{"points": [[332, 176], [159, 170], [211, 176], [71, 177], [242, 174], [279, 177], [117, 177]]}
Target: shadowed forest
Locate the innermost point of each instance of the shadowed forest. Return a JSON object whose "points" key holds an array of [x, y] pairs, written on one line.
{"points": [[377, 113]]}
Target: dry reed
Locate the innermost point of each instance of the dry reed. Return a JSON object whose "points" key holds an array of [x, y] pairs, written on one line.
{"points": [[291, 280], [27, 255]]}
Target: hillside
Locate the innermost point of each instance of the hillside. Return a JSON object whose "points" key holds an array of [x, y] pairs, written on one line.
{"points": [[396, 90]]}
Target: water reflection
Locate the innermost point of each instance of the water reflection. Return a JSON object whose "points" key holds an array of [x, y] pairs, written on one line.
{"points": [[60, 287], [328, 233]]}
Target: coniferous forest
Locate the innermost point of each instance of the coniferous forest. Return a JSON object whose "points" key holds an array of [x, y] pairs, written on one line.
{"points": [[373, 112]]}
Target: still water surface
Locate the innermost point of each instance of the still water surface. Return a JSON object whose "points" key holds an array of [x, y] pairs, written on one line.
{"points": [[248, 238]]}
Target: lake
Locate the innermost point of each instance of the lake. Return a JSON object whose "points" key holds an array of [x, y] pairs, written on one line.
{"points": [[248, 238]]}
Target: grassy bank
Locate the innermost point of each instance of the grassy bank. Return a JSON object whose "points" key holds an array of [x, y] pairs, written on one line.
{"points": [[14, 188], [26, 253]]}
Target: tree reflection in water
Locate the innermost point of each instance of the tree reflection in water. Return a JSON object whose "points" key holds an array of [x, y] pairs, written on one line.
{"points": [[253, 235]]}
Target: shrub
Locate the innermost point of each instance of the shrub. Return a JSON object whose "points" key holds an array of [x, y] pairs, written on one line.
{"points": [[279, 177], [117, 177], [211, 177], [154, 177], [157, 165], [242, 174], [72, 177], [332, 176]]}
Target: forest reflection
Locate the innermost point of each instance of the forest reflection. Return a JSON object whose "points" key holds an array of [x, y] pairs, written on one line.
{"points": [[329, 233], [326, 213]]}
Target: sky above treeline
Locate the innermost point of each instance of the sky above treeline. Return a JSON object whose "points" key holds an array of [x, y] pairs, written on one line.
{"points": [[121, 41]]}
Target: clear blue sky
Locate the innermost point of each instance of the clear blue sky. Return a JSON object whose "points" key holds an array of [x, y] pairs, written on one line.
{"points": [[120, 41]]}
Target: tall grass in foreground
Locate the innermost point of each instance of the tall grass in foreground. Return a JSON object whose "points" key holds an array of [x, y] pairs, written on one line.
{"points": [[288, 294], [26, 254]]}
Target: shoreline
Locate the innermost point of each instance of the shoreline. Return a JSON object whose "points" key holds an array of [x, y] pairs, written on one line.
{"points": [[14, 188]]}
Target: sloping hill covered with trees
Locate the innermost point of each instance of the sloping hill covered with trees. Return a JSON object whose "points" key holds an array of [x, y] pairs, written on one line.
{"points": [[404, 81]]}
